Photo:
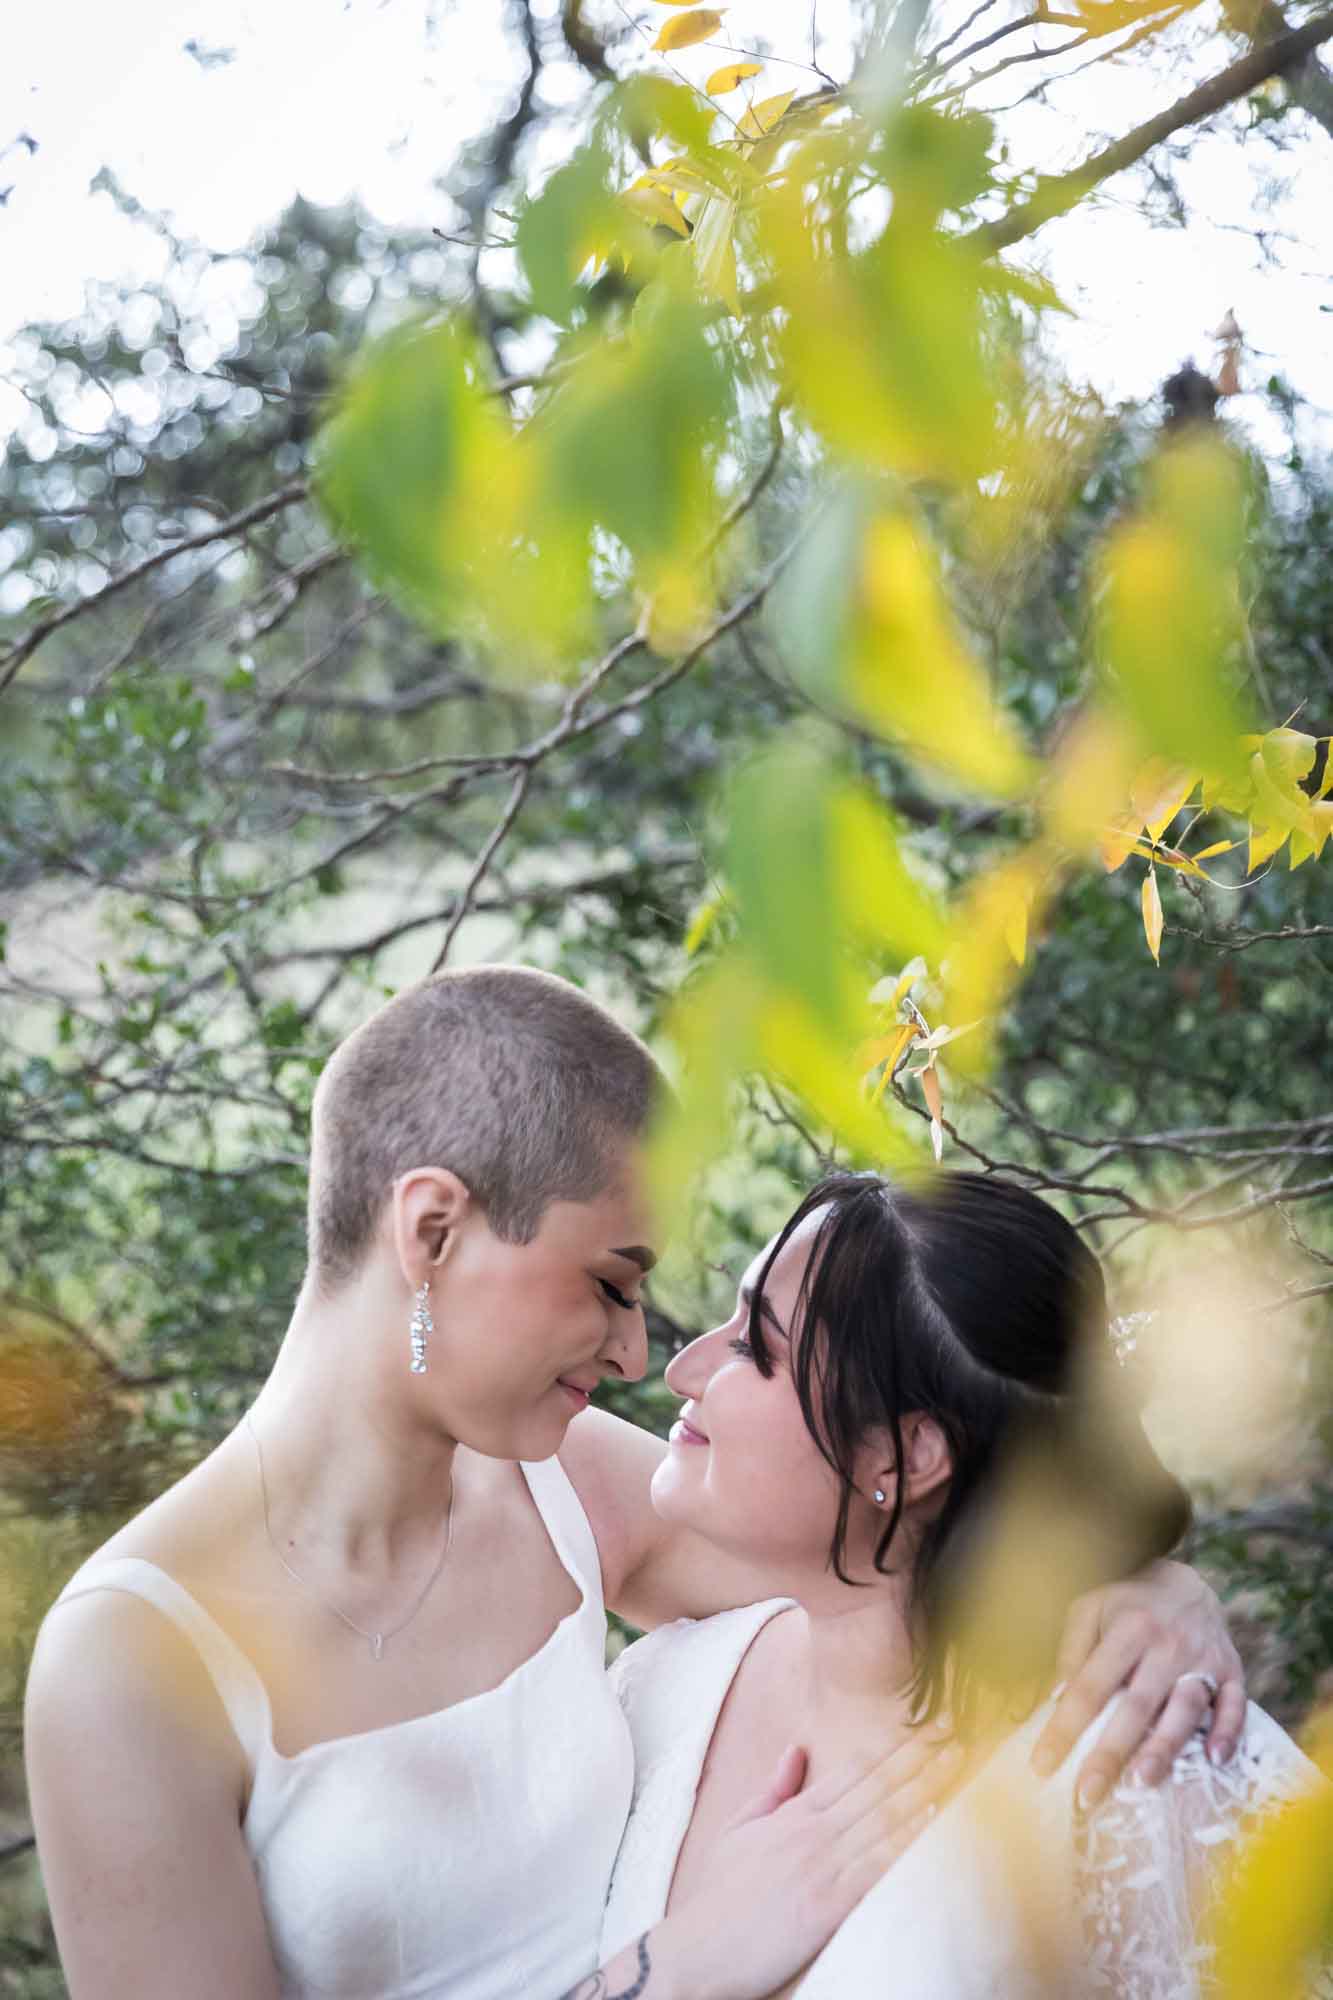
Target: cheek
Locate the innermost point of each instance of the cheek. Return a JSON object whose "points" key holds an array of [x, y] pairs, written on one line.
{"points": [[760, 1485]]}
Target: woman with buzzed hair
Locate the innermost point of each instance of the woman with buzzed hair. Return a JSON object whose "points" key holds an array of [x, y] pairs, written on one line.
{"points": [[329, 1717]]}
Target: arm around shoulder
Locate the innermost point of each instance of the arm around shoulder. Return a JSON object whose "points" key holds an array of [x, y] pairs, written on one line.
{"points": [[137, 1790], [652, 1570]]}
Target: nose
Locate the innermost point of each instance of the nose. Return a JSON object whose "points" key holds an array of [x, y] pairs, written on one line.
{"points": [[629, 1341], [689, 1372]]}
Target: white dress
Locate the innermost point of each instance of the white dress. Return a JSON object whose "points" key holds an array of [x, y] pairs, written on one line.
{"points": [[1009, 1894], [462, 1854]]}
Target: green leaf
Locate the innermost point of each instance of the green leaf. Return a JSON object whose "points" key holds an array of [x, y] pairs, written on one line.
{"points": [[561, 228], [402, 461]]}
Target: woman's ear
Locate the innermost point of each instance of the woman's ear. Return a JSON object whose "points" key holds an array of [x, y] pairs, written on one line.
{"points": [[428, 1208], [926, 1461]]}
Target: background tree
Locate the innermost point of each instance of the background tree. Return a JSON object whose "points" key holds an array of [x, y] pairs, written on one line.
{"points": [[246, 790]]}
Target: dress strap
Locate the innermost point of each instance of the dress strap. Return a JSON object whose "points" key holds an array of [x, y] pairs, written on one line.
{"points": [[238, 1685], [568, 1526]]}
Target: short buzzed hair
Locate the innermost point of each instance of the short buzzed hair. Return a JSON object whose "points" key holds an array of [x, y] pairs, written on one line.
{"points": [[512, 1079]]}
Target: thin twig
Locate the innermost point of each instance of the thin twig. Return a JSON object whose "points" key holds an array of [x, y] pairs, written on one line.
{"points": [[249, 517]]}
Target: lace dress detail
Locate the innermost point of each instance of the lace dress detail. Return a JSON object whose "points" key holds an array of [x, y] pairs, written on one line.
{"points": [[1010, 1894], [1149, 1866]]}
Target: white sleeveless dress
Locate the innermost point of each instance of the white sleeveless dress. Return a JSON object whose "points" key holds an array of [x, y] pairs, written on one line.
{"points": [[463, 1854], [1009, 1894]]}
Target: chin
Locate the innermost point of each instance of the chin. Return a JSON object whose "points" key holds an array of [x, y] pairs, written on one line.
{"points": [[673, 1495], [536, 1435]]}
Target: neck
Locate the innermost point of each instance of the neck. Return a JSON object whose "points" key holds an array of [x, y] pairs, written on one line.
{"points": [[855, 1661], [354, 1471]]}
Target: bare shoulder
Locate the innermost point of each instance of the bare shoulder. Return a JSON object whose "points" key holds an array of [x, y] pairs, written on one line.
{"points": [[137, 1786], [610, 1464], [111, 1677]]}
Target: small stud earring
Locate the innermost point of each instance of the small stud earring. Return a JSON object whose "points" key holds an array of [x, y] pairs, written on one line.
{"points": [[879, 1496], [421, 1329]]}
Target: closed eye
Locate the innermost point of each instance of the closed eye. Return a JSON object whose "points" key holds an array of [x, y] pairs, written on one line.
{"points": [[617, 1297]]}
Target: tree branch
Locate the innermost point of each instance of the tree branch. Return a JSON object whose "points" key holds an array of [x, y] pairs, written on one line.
{"points": [[1058, 193], [249, 517]]}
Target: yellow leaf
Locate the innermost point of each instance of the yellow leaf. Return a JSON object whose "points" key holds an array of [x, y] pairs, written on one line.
{"points": [[761, 118], [712, 1026], [1118, 841], [687, 29], [1322, 814], [730, 77], [1289, 754], [1159, 791], [1218, 847], [1170, 606], [675, 608], [1016, 923], [981, 972], [795, 1044], [1326, 782], [651, 203], [1089, 775], [1152, 915], [1308, 846], [1264, 842], [912, 674]]}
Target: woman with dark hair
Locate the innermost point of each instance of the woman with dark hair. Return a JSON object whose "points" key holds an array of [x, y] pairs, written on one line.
{"points": [[905, 1425]]}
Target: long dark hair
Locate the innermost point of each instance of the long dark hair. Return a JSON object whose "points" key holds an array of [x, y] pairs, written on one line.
{"points": [[973, 1301]]}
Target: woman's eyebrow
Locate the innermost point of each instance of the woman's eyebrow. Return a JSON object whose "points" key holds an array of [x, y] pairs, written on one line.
{"points": [[766, 1311], [638, 1253]]}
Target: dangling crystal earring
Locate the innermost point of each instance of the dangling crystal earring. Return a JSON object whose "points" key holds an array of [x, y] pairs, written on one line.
{"points": [[879, 1496], [422, 1328]]}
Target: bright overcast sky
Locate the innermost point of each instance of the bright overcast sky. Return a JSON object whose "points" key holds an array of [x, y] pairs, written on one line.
{"points": [[370, 98]]}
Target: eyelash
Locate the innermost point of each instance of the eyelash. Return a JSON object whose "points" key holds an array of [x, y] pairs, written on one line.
{"points": [[617, 1297]]}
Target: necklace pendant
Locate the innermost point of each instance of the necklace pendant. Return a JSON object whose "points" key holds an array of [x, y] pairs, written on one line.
{"points": [[376, 1645]]}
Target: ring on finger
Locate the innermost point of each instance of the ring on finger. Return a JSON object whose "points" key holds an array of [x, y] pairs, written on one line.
{"points": [[1197, 1674]]}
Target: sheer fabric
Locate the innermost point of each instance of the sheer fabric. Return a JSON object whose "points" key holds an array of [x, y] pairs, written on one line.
{"points": [[462, 1854], [1010, 1891]]}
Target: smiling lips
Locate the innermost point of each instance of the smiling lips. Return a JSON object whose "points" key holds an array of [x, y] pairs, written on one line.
{"points": [[577, 1391], [682, 1432]]}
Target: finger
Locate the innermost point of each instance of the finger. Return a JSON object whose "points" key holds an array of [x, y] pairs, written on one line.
{"points": [[859, 1877], [784, 1784], [1106, 1670], [1189, 1702], [883, 1818], [1127, 1732], [868, 1776], [1229, 1712], [1082, 1628]]}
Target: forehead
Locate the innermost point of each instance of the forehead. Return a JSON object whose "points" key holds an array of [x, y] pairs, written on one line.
{"points": [[789, 1268], [620, 1217]]}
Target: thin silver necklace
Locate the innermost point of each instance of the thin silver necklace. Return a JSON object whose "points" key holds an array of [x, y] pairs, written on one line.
{"points": [[375, 1640]]}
